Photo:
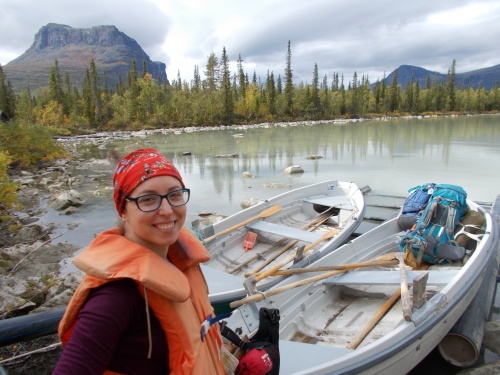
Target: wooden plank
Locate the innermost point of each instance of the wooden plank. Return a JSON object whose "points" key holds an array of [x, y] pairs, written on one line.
{"points": [[389, 277], [284, 231]]}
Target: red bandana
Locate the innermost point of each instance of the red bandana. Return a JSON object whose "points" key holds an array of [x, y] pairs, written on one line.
{"points": [[137, 167]]}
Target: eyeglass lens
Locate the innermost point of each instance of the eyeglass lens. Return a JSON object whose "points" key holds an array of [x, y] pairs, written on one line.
{"points": [[151, 202]]}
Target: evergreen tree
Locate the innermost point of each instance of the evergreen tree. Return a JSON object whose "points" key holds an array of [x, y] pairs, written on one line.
{"points": [[316, 104], [342, 100], [451, 90], [383, 94], [197, 79], [394, 93], [178, 81], [133, 92], [271, 93], [212, 73], [55, 84], [408, 96], [335, 82], [68, 103], [289, 89], [416, 98], [324, 83], [241, 77], [354, 96], [96, 91], [132, 75], [227, 97], [88, 107], [7, 96], [119, 86]]}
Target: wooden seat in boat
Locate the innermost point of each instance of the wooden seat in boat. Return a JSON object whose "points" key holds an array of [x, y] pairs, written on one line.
{"points": [[436, 277]]}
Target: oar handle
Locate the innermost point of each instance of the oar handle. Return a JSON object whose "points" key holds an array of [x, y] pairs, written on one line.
{"points": [[225, 231], [405, 293], [265, 213], [324, 237]]}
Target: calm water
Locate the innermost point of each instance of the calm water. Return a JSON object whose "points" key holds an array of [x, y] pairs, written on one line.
{"points": [[388, 156]]}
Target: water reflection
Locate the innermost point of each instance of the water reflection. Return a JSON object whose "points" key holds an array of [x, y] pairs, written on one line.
{"points": [[389, 156], [409, 149]]}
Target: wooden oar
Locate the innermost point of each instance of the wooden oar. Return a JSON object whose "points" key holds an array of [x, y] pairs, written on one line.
{"points": [[276, 267], [343, 267], [310, 280], [320, 219], [265, 213], [405, 293], [313, 226], [373, 322]]}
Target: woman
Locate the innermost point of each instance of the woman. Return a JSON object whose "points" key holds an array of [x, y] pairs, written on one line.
{"points": [[140, 307]]}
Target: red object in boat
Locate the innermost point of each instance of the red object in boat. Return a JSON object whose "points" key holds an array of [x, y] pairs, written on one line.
{"points": [[249, 241]]}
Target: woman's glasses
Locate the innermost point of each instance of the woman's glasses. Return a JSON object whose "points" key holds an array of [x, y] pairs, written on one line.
{"points": [[151, 202]]}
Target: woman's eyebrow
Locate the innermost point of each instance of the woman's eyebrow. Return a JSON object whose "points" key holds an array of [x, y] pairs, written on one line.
{"points": [[144, 192]]}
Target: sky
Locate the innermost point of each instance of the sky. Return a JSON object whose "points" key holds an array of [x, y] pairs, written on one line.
{"points": [[366, 37]]}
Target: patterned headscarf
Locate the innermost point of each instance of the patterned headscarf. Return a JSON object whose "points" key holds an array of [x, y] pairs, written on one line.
{"points": [[137, 167]]}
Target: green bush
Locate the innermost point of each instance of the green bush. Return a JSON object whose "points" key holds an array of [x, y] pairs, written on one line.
{"points": [[29, 146], [8, 198]]}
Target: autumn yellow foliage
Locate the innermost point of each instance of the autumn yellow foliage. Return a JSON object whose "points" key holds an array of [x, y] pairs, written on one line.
{"points": [[28, 145], [8, 188]]}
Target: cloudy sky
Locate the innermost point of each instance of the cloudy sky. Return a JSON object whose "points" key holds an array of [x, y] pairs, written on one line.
{"points": [[345, 36]]}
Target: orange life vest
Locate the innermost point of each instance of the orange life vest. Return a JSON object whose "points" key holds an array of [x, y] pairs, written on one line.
{"points": [[176, 292]]}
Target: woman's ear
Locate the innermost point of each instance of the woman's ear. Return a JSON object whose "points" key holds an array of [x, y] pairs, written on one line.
{"points": [[123, 215]]}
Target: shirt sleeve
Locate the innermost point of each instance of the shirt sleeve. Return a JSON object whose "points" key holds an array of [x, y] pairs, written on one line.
{"points": [[105, 316]]}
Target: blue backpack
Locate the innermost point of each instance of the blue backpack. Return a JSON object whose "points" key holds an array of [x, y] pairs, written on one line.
{"points": [[414, 205], [433, 239]]}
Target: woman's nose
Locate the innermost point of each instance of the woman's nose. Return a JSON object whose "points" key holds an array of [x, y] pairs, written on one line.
{"points": [[165, 207]]}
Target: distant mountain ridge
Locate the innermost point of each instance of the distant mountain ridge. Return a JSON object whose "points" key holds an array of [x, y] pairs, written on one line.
{"points": [[111, 49], [113, 52], [486, 77]]}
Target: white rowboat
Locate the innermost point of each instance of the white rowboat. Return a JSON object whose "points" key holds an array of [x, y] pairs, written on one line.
{"points": [[316, 219], [328, 326]]}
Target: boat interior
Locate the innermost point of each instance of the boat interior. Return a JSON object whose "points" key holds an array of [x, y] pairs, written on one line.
{"points": [[335, 310], [303, 222]]}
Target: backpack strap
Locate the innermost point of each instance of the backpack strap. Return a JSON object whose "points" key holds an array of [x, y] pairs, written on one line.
{"points": [[229, 334], [452, 212], [475, 237], [428, 214]]}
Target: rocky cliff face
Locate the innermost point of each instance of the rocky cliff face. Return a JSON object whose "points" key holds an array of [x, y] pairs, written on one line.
{"points": [[112, 51]]}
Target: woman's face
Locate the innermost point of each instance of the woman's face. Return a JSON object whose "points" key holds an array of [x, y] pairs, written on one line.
{"points": [[158, 229]]}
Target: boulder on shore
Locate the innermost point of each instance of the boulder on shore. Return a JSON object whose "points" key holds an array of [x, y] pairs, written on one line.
{"points": [[68, 198]]}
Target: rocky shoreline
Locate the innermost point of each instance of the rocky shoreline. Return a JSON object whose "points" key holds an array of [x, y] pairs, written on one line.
{"points": [[31, 264]]}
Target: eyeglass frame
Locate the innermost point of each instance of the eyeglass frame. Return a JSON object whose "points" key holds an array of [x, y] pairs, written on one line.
{"points": [[136, 199]]}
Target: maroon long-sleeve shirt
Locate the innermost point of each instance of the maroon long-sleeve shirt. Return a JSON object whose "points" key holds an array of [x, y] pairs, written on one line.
{"points": [[112, 333]]}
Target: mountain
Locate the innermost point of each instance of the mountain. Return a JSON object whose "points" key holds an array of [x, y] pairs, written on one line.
{"points": [[112, 51], [486, 77]]}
